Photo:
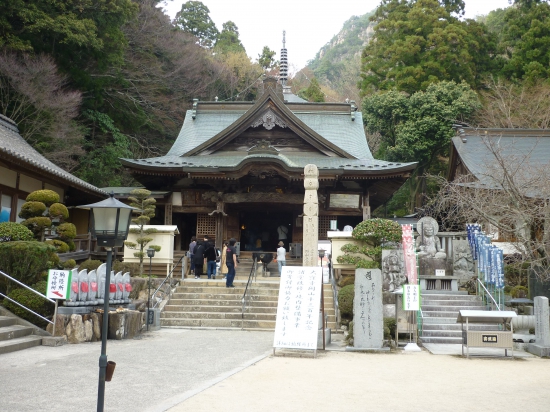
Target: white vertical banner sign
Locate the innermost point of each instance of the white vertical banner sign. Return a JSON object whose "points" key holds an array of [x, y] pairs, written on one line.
{"points": [[59, 283], [409, 254], [297, 320], [411, 297]]}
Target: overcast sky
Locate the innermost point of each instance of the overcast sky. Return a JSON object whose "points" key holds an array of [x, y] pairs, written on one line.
{"points": [[309, 24]]}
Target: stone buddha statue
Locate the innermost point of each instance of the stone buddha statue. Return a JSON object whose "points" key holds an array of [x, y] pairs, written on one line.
{"points": [[429, 245]]}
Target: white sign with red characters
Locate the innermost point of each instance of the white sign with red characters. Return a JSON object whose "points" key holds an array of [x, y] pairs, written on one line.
{"points": [[59, 283]]}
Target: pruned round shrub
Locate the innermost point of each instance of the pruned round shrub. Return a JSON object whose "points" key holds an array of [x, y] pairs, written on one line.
{"points": [[66, 231], [48, 197], [89, 265], [37, 224], [33, 302], [346, 280], [519, 292], [345, 300], [11, 232], [26, 261], [124, 267], [389, 328], [69, 264], [59, 211], [60, 246], [377, 231], [32, 209]]}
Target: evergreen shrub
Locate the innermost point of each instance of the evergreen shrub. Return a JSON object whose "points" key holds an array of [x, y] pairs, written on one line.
{"points": [[26, 261], [11, 232], [69, 264], [60, 246], [59, 211], [48, 197], [345, 300], [33, 302], [89, 265], [32, 209], [66, 231], [124, 267]]}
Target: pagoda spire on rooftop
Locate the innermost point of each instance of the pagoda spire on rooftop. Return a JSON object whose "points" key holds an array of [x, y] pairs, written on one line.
{"points": [[283, 64]]}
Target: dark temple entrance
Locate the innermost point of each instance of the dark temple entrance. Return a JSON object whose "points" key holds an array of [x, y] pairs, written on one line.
{"points": [[259, 229]]}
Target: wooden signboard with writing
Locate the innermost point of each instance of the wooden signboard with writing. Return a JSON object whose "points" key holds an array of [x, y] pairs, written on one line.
{"points": [[297, 322]]}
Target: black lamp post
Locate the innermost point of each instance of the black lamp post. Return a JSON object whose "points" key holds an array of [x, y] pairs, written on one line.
{"points": [[151, 254], [110, 225]]}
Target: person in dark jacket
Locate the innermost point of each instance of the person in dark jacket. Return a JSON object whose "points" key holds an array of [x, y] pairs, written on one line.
{"points": [[198, 258], [210, 255]]}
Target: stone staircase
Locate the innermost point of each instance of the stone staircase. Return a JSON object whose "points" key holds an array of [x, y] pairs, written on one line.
{"points": [[14, 337], [440, 311], [209, 304]]}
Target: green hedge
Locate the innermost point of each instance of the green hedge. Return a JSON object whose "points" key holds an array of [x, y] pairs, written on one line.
{"points": [[345, 300], [12, 232], [33, 302], [26, 261]]}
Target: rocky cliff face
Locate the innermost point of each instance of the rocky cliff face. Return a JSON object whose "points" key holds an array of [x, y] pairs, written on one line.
{"points": [[338, 63]]}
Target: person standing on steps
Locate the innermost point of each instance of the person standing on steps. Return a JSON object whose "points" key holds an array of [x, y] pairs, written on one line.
{"points": [[210, 255], [231, 262], [191, 254], [281, 257], [199, 259], [223, 265]]}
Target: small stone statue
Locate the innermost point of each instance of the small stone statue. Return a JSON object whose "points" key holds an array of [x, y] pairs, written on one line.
{"points": [[429, 245], [392, 270]]}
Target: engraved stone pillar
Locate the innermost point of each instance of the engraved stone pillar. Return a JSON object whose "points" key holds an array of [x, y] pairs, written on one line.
{"points": [[542, 323], [311, 216]]}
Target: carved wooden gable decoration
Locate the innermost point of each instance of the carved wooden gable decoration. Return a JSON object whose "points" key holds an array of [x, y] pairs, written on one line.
{"points": [[269, 123]]}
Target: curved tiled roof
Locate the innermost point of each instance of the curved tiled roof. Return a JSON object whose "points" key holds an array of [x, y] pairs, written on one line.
{"points": [[13, 147]]}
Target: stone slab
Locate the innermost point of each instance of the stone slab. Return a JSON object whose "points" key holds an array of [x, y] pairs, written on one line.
{"points": [[542, 321], [320, 338], [368, 330], [53, 341], [75, 310], [539, 350]]}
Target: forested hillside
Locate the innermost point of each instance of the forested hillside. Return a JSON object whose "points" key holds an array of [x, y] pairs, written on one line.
{"points": [[91, 81]]}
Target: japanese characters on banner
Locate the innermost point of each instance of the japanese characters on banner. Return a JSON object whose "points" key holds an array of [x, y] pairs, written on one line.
{"points": [[489, 258], [59, 283], [409, 254], [297, 319], [411, 297]]}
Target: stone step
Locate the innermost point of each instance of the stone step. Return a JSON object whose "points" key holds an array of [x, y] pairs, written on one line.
{"points": [[7, 321], [235, 308], [441, 333], [224, 315], [440, 314], [445, 339], [439, 320], [220, 302], [223, 296], [458, 326], [16, 344], [14, 331], [219, 323], [227, 291], [451, 303], [436, 308], [440, 296]]}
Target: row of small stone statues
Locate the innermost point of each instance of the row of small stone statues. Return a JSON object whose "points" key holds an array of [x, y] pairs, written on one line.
{"points": [[88, 289]]}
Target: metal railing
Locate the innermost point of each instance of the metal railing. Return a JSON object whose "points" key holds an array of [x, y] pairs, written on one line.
{"points": [[334, 294], [168, 277], [246, 296], [420, 321], [33, 291], [486, 295]]}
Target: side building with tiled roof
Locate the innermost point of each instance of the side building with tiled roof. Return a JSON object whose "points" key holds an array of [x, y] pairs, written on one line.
{"points": [[236, 169], [23, 170]]}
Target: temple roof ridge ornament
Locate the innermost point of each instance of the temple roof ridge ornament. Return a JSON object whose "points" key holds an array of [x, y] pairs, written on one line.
{"points": [[269, 120]]}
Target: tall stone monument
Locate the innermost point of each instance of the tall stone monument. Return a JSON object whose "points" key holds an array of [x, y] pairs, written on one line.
{"points": [[541, 347], [311, 216], [368, 308]]}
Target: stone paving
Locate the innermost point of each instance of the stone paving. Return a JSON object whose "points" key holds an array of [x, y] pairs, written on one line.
{"points": [[225, 370]]}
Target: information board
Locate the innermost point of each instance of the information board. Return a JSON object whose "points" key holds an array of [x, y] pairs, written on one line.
{"points": [[59, 283], [297, 320]]}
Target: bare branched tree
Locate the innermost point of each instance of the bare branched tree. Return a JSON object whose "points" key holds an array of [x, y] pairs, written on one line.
{"points": [[510, 198], [35, 96]]}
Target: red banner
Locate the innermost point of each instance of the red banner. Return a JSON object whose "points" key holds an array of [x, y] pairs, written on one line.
{"points": [[409, 254]]}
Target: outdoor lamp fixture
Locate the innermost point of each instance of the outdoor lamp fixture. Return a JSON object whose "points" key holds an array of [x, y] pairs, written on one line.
{"points": [[110, 225], [322, 255], [151, 254]]}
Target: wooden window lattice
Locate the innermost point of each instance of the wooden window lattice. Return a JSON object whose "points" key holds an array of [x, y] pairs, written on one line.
{"points": [[324, 226], [206, 225]]}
